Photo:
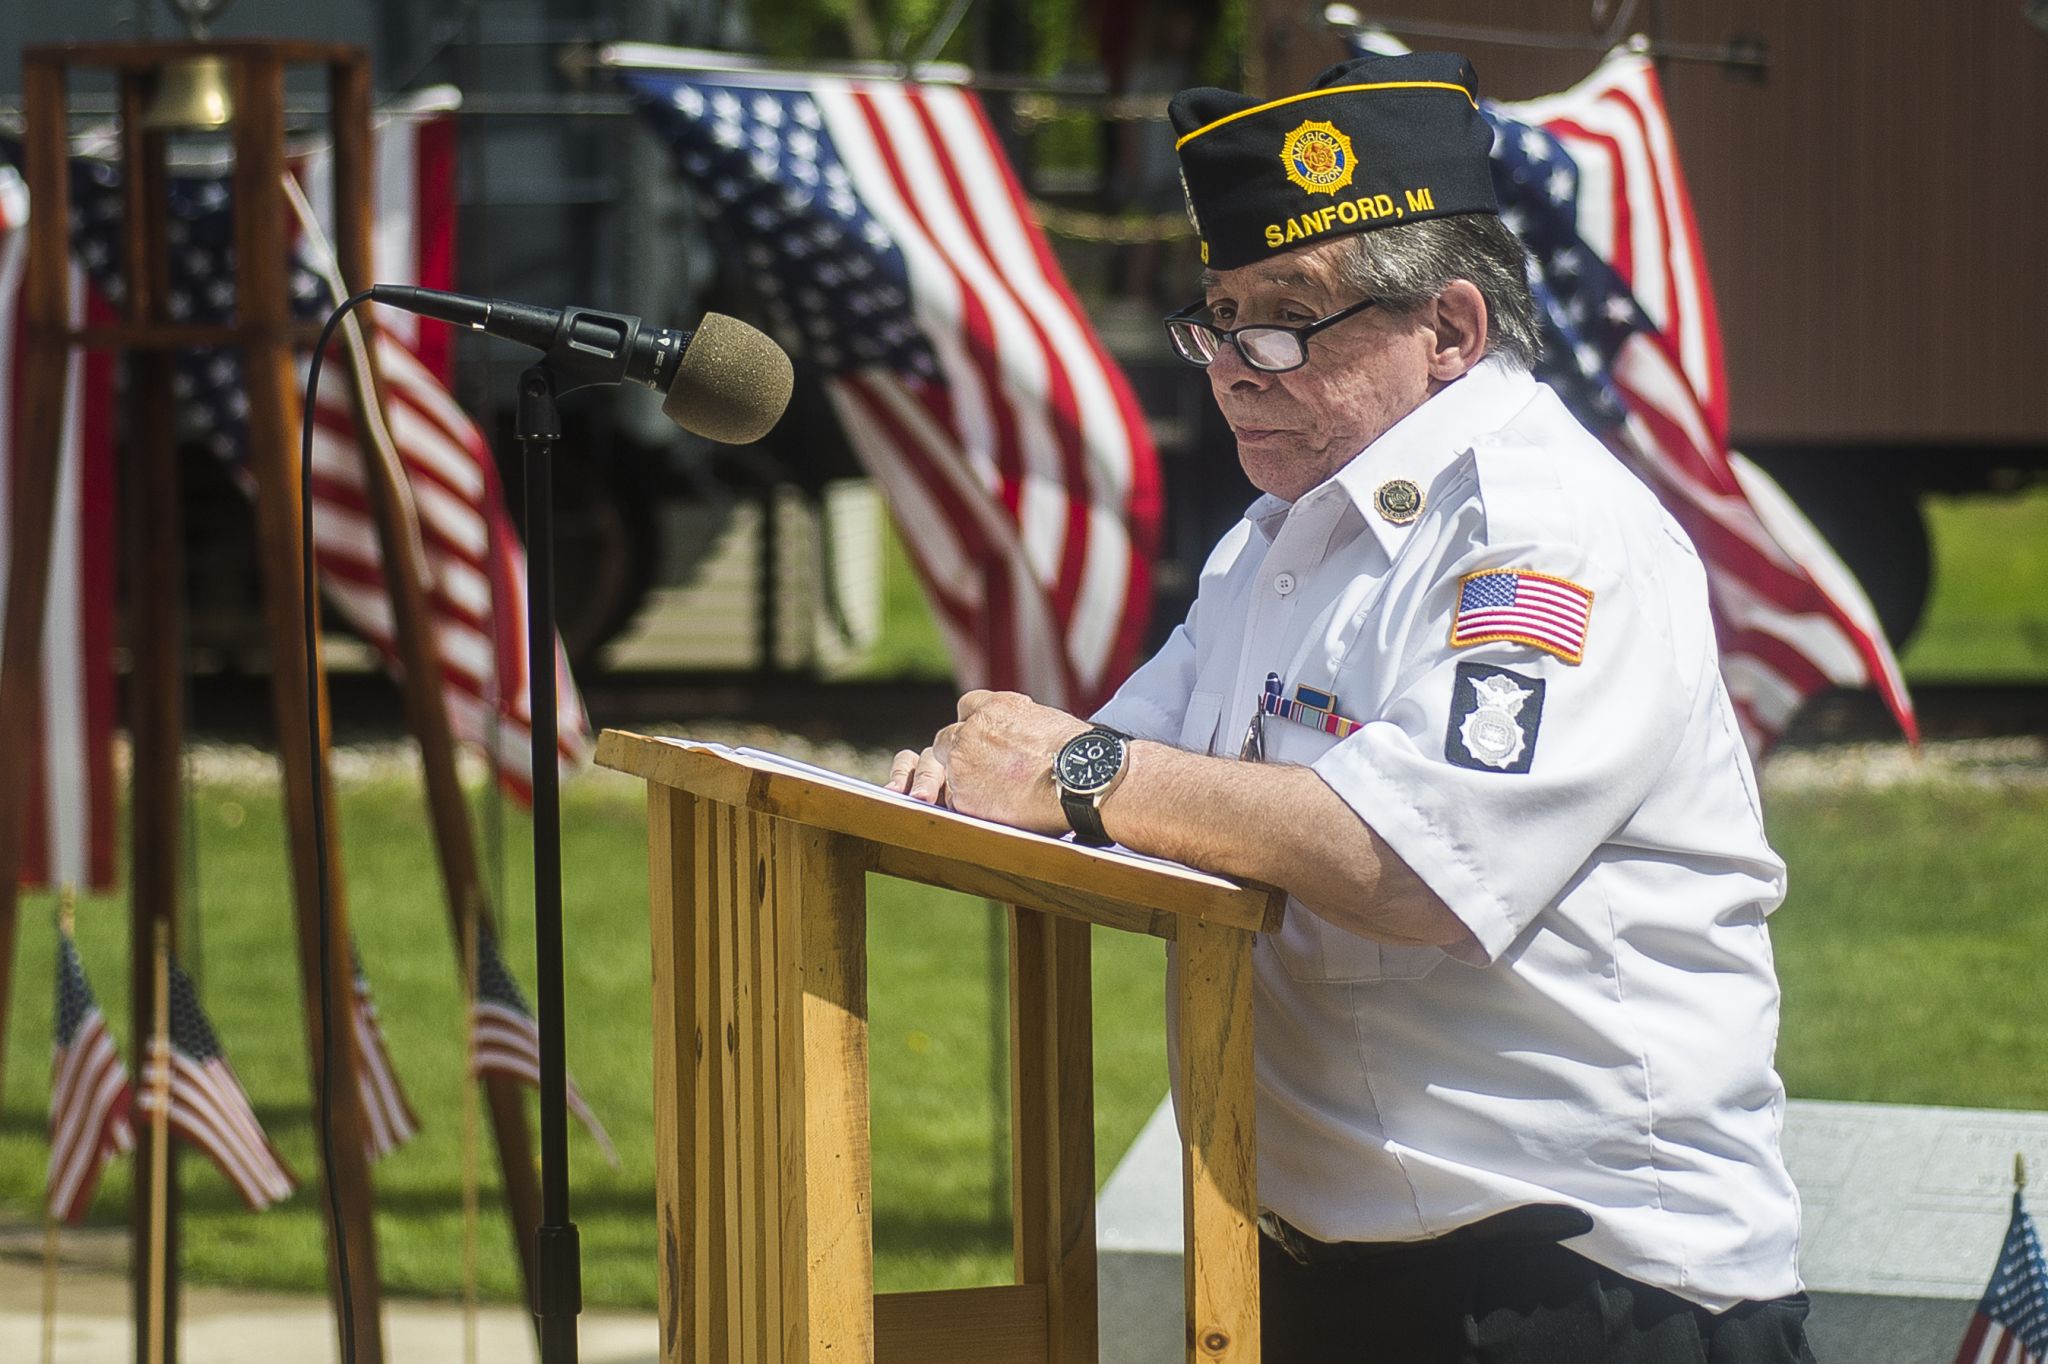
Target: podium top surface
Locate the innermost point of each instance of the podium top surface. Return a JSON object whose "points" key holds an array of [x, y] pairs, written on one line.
{"points": [[943, 847]]}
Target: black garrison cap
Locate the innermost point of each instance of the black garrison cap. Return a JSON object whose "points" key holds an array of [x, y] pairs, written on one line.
{"points": [[1377, 141]]}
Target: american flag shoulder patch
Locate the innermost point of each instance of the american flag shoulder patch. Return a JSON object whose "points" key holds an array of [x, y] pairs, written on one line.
{"points": [[1516, 605]]}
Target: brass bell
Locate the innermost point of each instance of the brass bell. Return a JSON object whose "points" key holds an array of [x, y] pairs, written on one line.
{"points": [[192, 94]]}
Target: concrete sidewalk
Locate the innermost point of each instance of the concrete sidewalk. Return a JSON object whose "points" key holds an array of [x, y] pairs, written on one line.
{"points": [[223, 1326]]}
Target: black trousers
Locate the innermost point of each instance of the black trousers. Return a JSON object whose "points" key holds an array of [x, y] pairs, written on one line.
{"points": [[1481, 1303]]}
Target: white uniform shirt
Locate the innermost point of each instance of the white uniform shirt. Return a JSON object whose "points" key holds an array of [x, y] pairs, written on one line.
{"points": [[1611, 1045]]}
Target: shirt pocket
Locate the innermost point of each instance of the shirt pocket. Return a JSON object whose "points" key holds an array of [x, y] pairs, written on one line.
{"points": [[1198, 725], [1312, 949]]}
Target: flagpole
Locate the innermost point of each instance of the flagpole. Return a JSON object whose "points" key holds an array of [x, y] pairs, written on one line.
{"points": [[160, 1144], [49, 1287], [471, 1095], [66, 922]]}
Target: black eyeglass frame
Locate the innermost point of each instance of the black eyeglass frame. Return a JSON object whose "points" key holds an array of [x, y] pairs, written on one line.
{"points": [[1301, 334]]}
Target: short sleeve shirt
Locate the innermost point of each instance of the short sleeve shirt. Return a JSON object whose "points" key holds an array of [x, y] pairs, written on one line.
{"points": [[1542, 735]]}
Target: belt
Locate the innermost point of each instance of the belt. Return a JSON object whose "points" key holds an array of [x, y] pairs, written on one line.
{"points": [[1530, 1224]]}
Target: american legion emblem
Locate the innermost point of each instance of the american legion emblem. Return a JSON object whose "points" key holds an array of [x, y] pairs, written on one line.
{"points": [[1494, 714], [1318, 157]]}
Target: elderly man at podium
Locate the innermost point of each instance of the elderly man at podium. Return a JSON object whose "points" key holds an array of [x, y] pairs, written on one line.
{"points": [[1452, 684]]}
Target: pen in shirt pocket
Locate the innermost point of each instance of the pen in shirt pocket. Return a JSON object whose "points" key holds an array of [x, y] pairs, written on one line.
{"points": [[1254, 749]]}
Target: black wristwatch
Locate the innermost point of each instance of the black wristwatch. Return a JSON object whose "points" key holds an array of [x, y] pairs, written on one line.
{"points": [[1087, 770]]}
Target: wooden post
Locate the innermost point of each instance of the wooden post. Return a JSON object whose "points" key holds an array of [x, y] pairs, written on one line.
{"points": [[1052, 1152], [264, 313], [827, 875], [156, 718], [46, 310], [405, 576], [1219, 1173]]}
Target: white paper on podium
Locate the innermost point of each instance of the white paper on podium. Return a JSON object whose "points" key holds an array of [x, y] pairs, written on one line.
{"points": [[764, 760]]}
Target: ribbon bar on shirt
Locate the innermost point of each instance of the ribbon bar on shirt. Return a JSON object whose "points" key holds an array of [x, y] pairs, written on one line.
{"points": [[1303, 711]]}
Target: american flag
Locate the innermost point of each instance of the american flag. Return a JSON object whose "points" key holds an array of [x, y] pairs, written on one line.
{"points": [[2010, 1325], [506, 1039], [476, 567], [1530, 608], [68, 775], [389, 1118], [89, 1093], [901, 268], [207, 1104], [1590, 180]]}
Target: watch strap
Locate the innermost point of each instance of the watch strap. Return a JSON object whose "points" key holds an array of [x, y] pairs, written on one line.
{"points": [[1085, 819]]}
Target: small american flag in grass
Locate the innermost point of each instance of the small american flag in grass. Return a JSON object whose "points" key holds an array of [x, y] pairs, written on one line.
{"points": [[1515, 605], [208, 1106], [89, 1094], [388, 1119], [507, 1041], [2010, 1325]]}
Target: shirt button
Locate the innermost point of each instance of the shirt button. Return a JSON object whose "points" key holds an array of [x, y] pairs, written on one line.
{"points": [[1284, 584]]}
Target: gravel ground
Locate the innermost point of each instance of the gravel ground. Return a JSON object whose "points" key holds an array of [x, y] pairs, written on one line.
{"points": [[2019, 761]]}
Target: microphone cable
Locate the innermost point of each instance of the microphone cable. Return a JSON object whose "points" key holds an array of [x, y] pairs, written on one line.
{"points": [[323, 897]]}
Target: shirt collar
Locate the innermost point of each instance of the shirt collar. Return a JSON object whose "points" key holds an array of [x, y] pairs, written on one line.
{"points": [[1417, 448]]}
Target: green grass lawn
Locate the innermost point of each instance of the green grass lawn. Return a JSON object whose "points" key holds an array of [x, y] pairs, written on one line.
{"points": [[1909, 951], [1987, 617], [940, 1164]]}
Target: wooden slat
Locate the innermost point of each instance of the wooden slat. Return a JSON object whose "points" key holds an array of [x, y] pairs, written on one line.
{"points": [[725, 1046], [785, 894], [705, 1330], [837, 1174], [1031, 1088], [1071, 1289], [1219, 1176], [1087, 875], [671, 890], [1009, 889], [1053, 1150], [999, 1325], [746, 1110], [767, 1137]]}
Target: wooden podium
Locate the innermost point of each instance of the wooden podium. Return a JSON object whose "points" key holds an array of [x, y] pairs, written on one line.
{"points": [[757, 877]]}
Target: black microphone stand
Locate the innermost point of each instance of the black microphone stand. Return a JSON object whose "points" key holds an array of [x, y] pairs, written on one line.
{"points": [[557, 1260]]}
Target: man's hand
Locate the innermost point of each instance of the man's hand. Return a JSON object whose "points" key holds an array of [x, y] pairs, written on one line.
{"points": [[995, 763]]}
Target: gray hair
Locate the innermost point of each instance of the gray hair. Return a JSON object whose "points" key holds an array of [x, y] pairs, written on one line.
{"points": [[1407, 266]]}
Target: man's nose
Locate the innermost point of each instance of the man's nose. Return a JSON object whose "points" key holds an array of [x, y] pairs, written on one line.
{"points": [[1229, 371]]}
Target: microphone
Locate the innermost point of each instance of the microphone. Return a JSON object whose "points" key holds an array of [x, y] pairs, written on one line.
{"points": [[725, 381]]}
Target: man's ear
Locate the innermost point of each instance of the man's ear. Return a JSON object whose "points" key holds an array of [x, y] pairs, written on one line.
{"points": [[1460, 331]]}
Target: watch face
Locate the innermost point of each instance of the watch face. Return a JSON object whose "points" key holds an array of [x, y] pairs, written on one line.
{"points": [[1090, 763]]}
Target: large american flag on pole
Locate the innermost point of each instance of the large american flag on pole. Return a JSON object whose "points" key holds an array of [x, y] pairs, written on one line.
{"points": [[1590, 180], [208, 1106], [67, 829], [901, 269], [90, 1099]]}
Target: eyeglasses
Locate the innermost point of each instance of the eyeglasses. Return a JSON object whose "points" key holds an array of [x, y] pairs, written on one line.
{"points": [[1268, 346]]}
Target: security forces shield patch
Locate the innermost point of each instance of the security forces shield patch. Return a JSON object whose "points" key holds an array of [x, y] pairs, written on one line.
{"points": [[1494, 714]]}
